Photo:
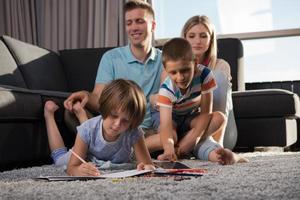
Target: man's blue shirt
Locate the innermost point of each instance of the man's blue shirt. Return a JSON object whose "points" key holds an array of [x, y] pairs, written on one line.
{"points": [[120, 63]]}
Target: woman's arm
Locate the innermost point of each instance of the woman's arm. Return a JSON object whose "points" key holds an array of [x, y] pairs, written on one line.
{"points": [[223, 66]]}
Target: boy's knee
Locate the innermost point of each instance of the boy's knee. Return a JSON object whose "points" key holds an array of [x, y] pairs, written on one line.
{"points": [[219, 117]]}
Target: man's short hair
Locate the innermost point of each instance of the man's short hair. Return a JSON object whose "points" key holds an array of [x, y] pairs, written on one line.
{"points": [[133, 4], [177, 49]]}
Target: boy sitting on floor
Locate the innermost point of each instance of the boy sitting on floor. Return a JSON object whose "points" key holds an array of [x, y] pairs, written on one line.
{"points": [[185, 120]]}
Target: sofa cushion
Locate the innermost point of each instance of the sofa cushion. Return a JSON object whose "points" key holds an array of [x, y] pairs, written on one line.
{"points": [[41, 68], [75, 60], [266, 103], [9, 72]]}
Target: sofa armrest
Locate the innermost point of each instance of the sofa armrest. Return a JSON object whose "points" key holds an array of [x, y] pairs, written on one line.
{"points": [[23, 135], [266, 103], [19, 104], [24, 104]]}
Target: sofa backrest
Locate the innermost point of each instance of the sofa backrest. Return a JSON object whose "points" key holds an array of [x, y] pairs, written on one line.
{"points": [[76, 69], [231, 50], [81, 67], [41, 68], [9, 72]]}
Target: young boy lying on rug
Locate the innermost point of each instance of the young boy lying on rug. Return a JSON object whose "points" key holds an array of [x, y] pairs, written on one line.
{"points": [[109, 136], [185, 120]]}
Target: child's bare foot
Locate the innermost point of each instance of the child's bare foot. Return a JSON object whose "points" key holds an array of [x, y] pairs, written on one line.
{"points": [[227, 157], [50, 108], [80, 112]]}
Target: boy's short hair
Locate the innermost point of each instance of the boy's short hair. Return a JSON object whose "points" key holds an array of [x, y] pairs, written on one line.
{"points": [[177, 49], [133, 4], [125, 95]]}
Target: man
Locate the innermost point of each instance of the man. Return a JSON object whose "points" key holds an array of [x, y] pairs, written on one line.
{"points": [[138, 61]]}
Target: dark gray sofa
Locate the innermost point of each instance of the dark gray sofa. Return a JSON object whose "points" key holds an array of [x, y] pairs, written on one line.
{"points": [[30, 75], [292, 86]]}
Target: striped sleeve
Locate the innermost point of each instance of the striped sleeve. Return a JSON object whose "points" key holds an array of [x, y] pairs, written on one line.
{"points": [[166, 96], [164, 101], [209, 82]]}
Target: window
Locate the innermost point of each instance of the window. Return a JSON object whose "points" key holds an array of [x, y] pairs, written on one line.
{"points": [[273, 59], [269, 54]]}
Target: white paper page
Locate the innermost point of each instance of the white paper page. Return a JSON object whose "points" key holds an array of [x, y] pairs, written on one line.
{"points": [[125, 174]]}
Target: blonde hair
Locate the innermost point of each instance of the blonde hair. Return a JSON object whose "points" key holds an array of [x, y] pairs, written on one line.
{"points": [[124, 95], [177, 49], [211, 53]]}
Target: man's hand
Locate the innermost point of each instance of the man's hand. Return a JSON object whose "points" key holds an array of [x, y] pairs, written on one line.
{"points": [[153, 101], [80, 96]]}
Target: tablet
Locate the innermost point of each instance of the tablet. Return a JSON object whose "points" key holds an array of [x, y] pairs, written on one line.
{"points": [[170, 165]]}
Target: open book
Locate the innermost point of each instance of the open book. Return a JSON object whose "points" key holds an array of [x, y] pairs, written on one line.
{"points": [[123, 174], [164, 168]]}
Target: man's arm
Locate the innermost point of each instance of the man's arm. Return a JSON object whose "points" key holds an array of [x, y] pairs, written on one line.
{"points": [[93, 101], [153, 97], [163, 75], [86, 99]]}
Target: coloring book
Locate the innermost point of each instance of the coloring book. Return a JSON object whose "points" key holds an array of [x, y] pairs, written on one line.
{"points": [[164, 168]]}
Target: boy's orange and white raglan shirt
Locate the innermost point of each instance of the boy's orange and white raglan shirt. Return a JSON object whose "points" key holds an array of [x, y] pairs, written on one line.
{"points": [[171, 97]]}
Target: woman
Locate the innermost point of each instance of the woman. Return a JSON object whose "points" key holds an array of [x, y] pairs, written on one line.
{"points": [[200, 33]]}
